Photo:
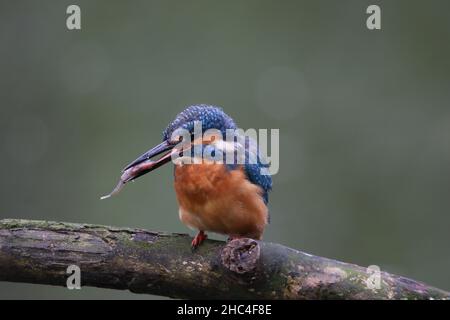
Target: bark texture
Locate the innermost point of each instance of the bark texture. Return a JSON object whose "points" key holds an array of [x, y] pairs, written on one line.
{"points": [[162, 264]]}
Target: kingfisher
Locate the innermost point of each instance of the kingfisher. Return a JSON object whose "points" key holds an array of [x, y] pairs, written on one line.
{"points": [[213, 193]]}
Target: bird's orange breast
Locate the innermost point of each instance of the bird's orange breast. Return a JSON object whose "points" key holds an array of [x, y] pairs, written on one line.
{"points": [[212, 198]]}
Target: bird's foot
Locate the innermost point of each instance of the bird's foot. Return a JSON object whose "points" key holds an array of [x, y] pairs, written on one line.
{"points": [[198, 240]]}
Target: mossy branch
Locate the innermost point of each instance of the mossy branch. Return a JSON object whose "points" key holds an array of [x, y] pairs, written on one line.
{"points": [[163, 264]]}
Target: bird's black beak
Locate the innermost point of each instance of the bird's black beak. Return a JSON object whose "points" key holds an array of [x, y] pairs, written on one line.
{"points": [[145, 164]]}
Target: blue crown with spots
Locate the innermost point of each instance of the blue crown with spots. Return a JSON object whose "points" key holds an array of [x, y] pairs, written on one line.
{"points": [[211, 117]]}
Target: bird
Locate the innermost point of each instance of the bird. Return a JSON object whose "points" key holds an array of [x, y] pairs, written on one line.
{"points": [[224, 197]]}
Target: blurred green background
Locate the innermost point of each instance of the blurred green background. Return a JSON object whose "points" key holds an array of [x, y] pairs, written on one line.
{"points": [[364, 118]]}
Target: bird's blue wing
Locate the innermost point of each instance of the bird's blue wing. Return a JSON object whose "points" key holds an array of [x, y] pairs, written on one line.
{"points": [[257, 171], [255, 165]]}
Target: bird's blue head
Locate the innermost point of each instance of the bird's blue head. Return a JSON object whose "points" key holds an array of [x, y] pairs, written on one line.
{"points": [[210, 117]]}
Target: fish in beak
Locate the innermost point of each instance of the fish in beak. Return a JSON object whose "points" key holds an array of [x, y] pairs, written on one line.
{"points": [[144, 164]]}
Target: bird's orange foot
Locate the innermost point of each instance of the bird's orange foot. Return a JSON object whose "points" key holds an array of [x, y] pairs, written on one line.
{"points": [[198, 240]]}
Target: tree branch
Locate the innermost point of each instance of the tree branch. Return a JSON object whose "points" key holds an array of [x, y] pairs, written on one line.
{"points": [[163, 264]]}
